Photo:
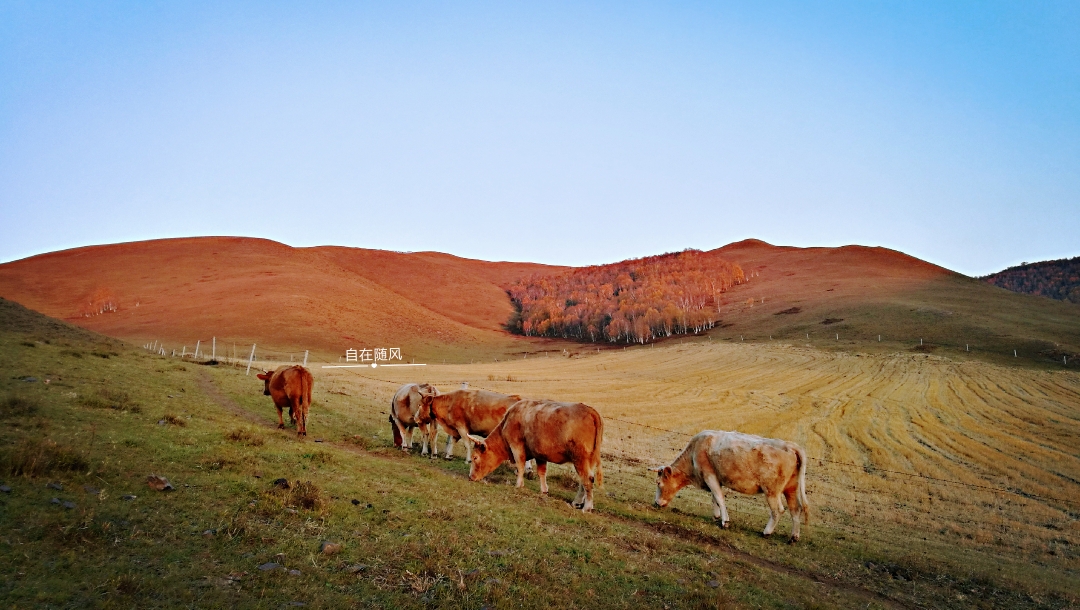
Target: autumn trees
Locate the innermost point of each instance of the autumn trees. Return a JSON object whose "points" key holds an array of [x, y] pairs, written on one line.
{"points": [[634, 301]]}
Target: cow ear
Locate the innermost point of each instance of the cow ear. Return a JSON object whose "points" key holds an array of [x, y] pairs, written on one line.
{"points": [[263, 376], [478, 443], [667, 471]]}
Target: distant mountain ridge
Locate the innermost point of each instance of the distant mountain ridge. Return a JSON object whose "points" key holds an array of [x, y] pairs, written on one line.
{"points": [[1057, 279]]}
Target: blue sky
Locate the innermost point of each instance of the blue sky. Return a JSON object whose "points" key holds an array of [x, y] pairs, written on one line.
{"points": [[558, 133]]}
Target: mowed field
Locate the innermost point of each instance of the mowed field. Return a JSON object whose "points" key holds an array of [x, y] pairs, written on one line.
{"points": [[925, 461]]}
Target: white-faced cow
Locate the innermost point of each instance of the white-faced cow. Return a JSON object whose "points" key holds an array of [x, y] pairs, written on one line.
{"points": [[404, 411], [547, 431], [461, 413], [745, 463], [290, 386]]}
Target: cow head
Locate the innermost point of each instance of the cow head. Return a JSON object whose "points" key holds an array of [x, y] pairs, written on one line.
{"points": [[423, 414], [266, 381], [484, 459], [668, 483]]}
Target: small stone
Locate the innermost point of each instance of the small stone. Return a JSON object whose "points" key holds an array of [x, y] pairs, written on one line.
{"points": [[329, 548], [128, 497], [161, 422], [29, 379], [56, 486], [356, 569], [270, 565], [713, 583], [291, 511], [93, 491], [159, 483], [69, 504], [355, 502], [281, 483], [209, 533], [5, 489], [54, 501], [294, 572]]}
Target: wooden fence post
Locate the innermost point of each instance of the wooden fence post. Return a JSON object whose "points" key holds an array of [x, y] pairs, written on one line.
{"points": [[197, 344], [250, 358], [305, 357], [213, 348]]}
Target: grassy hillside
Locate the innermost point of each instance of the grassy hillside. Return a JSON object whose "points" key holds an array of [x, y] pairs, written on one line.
{"points": [[440, 308], [417, 533], [243, 291], [808, 296]]}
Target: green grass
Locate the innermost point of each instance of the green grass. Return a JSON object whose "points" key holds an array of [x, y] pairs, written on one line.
{"points": [[423, 533]]}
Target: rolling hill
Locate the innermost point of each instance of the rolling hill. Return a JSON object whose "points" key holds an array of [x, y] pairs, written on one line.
{"points": [[440, 307]]}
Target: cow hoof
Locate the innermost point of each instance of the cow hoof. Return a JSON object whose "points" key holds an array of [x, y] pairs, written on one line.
{"points": [[281, 426], [724, 524], [792, 540]]}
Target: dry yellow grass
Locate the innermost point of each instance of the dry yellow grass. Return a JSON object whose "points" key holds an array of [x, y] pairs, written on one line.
{"points": [[867, 421]]}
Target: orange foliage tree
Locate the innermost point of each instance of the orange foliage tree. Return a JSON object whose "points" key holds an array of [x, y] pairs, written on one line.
{"points": [[635, 301]]}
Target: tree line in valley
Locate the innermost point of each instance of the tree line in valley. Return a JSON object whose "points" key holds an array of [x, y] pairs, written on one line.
{"points": [[633, 301], [1058, 279]]}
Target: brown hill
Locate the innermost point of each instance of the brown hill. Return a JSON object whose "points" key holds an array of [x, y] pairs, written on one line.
{"points": [[244, 290], [437, 306], [861, 293]]}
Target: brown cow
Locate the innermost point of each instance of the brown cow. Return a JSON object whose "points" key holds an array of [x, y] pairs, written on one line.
{"points": [[404, 409], [745, 463], [290, 386], [548, 431], [464, 412]]}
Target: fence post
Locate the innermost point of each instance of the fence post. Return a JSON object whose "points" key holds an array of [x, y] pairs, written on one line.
{"points": [[305, 357], [213, 348], [250, 358], [197, 344], [183, 353]]}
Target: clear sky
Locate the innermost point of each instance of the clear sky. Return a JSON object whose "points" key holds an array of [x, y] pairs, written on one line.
{"points": [[572, 133]]}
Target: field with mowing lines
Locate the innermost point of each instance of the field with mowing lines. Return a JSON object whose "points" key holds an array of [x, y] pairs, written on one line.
{"points": [[969, 463]]}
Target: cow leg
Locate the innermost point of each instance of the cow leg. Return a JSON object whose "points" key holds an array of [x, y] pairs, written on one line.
{"points": [[775, 510], [517, 454], [280, 420], [403, 433], [719, 507], [449, 446], [541, 471], [424, 431], [584, 498], [796, 514], [463, 434]]}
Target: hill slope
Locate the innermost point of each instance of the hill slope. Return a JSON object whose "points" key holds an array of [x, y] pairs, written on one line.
{"points": [[1058, 279], [244, 290], [440, 307], [861, 293]]}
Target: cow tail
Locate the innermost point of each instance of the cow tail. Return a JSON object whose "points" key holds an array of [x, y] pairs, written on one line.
{"points": [[598, 467], [804, 506]]}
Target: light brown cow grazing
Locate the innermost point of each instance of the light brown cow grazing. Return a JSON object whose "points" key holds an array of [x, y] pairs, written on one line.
{"points": [[464, 412], [404, 415], [290, 386], [547, 431], [745, 463]]}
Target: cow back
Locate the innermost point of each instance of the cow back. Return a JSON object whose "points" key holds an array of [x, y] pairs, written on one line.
{"points": [[554, 431]]}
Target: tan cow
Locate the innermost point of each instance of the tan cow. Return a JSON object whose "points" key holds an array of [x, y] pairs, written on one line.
{"points": [[461, 413], [745, 463], [404, 411], [290, 386], [547, 431]]}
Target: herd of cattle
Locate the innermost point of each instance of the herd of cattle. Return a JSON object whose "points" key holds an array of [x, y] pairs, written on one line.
{"points": [[497, 428]]}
